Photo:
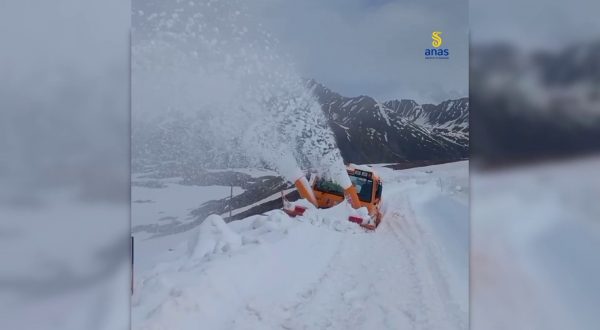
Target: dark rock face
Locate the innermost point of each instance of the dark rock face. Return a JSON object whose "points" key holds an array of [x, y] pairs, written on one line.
{"points": [[367, 131]]}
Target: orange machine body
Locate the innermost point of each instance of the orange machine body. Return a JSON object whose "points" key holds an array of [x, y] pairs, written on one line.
{"points": [[365, 191]]}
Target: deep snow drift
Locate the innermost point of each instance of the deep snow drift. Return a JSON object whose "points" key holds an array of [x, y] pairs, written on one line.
{"points": [[319, 270]]}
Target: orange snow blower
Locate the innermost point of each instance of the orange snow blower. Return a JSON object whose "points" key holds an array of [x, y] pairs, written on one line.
{"points": [[365, 191]]}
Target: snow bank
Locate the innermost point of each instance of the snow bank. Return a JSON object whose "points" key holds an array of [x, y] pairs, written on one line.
{"points": [[212, 236], [231, 270], [335, 217]]}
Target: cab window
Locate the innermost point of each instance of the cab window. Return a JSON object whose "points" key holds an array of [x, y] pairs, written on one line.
{"points": [[330, 187], [364, 187]]}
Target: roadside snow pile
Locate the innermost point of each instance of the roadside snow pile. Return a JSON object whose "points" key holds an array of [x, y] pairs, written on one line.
{"points": [[216, 258], [212, 236], [335, 217]]}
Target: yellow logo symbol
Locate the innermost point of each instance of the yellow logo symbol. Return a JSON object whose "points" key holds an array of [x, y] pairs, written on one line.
{"points": [[437, 39]]}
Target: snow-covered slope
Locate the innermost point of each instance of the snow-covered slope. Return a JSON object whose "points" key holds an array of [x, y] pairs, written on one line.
{"points": [[317, 271]]}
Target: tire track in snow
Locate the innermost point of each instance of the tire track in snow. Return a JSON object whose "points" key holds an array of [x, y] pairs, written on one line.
{"points": [[385, 279], [310, 299], [371, 283], [418, 313], [426, 272]]}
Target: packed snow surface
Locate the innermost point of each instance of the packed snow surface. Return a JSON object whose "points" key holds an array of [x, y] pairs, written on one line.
{"points": [[319, 270]]}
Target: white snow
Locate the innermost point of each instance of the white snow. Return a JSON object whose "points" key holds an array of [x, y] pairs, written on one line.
{"points": [[253, 172], [264, 200], [342, 126], [536, 237], [347, 103], [211, 237], [381, 108], [337, 171], [160, 205], [367, 168], [288, 168], [151, 204], [240, 91], [319, 270]]}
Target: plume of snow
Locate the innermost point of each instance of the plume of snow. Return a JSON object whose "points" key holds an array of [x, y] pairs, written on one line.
{"points": [[211, 62]]}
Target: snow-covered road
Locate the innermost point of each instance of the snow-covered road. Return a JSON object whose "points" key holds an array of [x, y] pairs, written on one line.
{"points": [[320, 271]]}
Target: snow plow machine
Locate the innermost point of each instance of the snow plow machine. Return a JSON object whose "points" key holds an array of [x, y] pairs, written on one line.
{"points": [[365, 191]]}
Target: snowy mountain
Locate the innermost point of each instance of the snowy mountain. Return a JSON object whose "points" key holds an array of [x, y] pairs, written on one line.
{"points": [[368, 131], [449, 118]]}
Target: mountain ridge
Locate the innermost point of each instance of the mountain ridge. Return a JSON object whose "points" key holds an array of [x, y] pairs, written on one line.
{"points": [[368, 131]]}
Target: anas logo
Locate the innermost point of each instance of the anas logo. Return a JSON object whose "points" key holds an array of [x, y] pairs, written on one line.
{"points": [[436, 52], [437, 40]]}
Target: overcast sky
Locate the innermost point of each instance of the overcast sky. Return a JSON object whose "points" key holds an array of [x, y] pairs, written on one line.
{"points": [[375, 48]]}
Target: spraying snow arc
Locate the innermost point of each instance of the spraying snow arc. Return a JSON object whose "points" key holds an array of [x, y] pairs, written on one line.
{"points": [[209, 63]]}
